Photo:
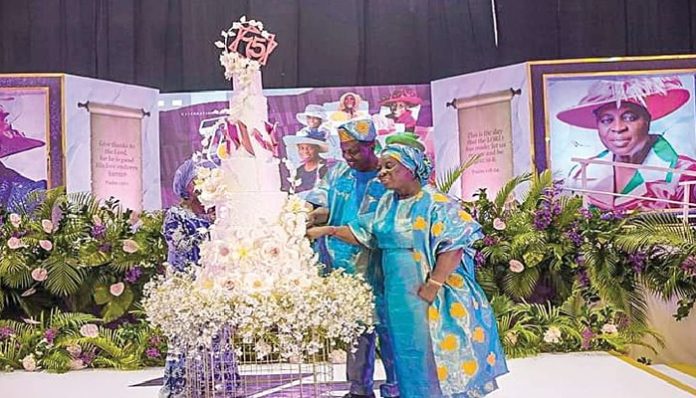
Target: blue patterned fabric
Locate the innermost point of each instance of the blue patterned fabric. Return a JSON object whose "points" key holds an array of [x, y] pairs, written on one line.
{"points": [[450, 348], [14, 187], [362, 130], [183, 231], [346, 193], [411, 158]]}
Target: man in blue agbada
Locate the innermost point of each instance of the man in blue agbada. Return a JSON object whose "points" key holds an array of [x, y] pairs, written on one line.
{"points": [[442, 327], [350, 189]]}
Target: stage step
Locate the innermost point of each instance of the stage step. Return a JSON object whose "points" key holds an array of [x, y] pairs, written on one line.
{"points": [[683, 373]]}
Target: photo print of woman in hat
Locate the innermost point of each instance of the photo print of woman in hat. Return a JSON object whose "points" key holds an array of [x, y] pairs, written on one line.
{"points": [[14, 187], [621, 112], [401, 103], [348, 109], [312, 146]]}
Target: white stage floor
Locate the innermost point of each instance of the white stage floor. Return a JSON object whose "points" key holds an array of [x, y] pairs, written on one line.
{"points": [[578, 375]]}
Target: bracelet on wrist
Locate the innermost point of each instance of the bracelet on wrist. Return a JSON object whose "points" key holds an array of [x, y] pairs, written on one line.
{"points": [[434, 282]]}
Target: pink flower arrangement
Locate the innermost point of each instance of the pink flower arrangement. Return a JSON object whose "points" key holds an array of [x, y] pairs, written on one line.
{"points": [[117, 289], [74, 350], [29, 363], [46, 245], [77, 364], [130, 246], [89, 330], [14, 243], [516, 266], [499, 224], [47, 226], [15, 219], [39, 274]]}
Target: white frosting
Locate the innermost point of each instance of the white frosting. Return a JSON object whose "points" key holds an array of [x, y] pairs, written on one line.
{"points": [[255, 197], [250, 210], [247, 174]]}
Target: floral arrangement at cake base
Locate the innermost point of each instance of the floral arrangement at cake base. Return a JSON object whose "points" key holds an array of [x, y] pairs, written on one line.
{"points": [[267, 286]]}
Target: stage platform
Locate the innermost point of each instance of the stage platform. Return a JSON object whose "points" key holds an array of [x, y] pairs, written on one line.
{"points": [[577, 375]]}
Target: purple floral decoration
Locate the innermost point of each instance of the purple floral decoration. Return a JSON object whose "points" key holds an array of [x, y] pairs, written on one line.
{"points": [[689, 266], [583, 278], [50, 335], [105, 247], [98, 231], [490, 240], [587, 336], [152, 353], [6, 332], [574, 235], [543, 217], [479, 259], [87, 357], [133, 274], [637, 261]]}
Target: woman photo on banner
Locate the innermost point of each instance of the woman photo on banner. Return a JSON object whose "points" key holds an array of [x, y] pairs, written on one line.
{"points": [[621, 113], [402, 105], [310, 146], [14, 186], [349, 107]]}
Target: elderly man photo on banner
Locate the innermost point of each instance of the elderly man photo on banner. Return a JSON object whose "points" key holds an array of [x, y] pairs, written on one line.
{"points": [[347, 190], [621, 111]]}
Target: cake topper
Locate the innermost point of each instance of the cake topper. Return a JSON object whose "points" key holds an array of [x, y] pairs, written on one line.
{"points": [[246, 47]]}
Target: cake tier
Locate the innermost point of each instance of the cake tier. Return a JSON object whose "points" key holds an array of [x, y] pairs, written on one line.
{"points": [[248, 174], [249, 209]]}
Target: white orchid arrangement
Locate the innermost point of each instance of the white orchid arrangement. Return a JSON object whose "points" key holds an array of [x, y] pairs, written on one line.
{"points": [[267, 285], [211, 186]]}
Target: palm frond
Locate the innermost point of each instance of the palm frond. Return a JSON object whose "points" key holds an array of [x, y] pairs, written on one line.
{"points": [[64, 279], [504, 193], [73, 320], [656, 229], [521, 285], [446, 181], [56, 362], [84, 202], [631, 301], [486, 279], [539, 183]]}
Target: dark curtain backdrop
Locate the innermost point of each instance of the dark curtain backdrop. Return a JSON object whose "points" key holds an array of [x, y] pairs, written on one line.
{"points": [[169, 43]]}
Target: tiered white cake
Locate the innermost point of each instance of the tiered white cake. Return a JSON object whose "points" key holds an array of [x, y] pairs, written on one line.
{"points": [[252, 179], [257, 273]]}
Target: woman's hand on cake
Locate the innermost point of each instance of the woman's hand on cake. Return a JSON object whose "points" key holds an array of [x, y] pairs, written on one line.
{"points": [[317, 232], [318, 216]]}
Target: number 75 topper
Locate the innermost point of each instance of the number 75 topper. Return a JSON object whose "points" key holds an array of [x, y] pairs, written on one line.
{"points": [[248, 40]]}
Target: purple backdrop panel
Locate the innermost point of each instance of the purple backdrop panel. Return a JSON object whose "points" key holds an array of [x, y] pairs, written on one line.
{"points": [[54, 85], [179, 136]]}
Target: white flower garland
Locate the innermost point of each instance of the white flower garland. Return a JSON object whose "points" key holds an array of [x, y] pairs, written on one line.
{"points": [[267, 286]]}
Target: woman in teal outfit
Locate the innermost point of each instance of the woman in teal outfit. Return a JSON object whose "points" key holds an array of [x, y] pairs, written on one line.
{"points": [[443, 329]]}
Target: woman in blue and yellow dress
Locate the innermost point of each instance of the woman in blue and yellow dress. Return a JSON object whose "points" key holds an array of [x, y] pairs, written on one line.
{"points": [[184, 229], [444, 331]]}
